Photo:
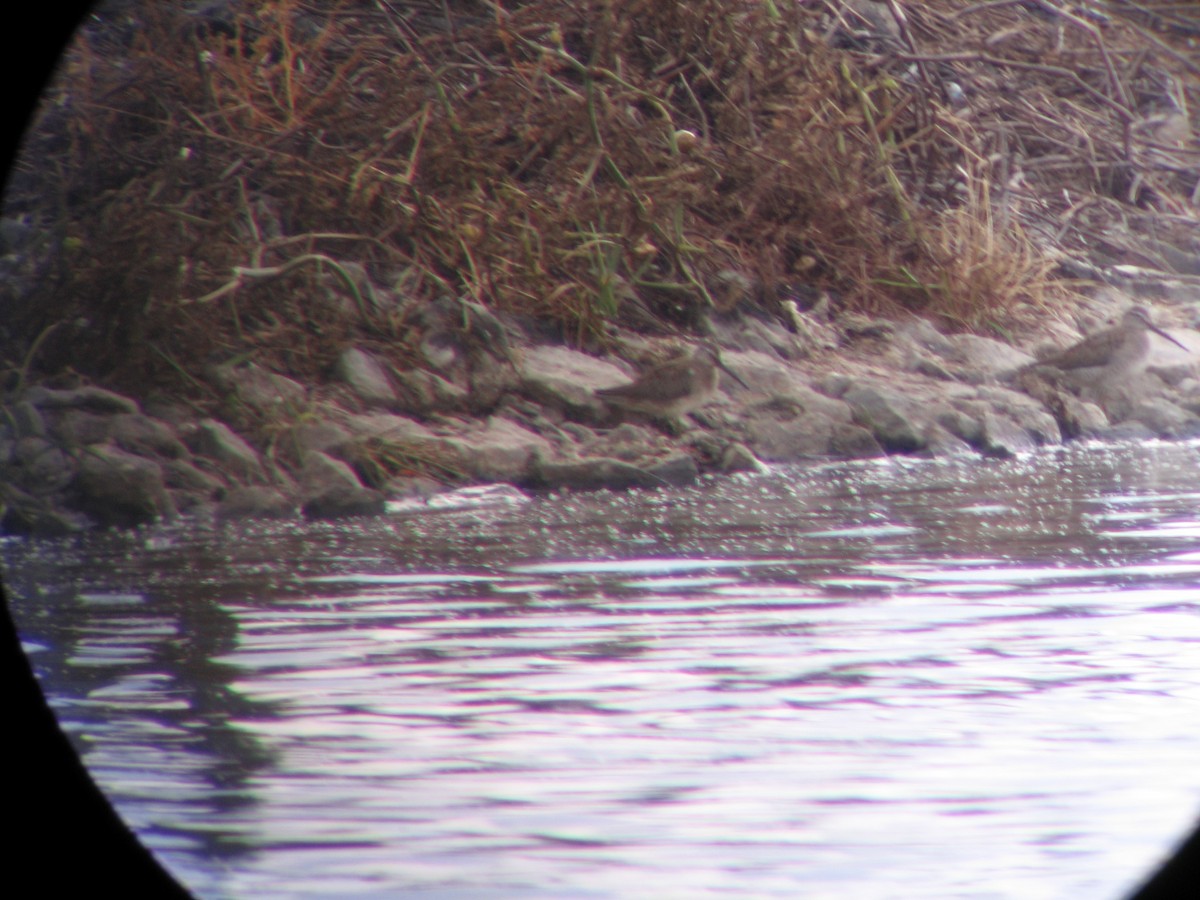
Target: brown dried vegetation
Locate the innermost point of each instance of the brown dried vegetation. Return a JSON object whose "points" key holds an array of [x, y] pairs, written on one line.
{"points": [[222, 191]]}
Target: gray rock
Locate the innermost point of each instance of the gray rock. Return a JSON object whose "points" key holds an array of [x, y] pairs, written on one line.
{"points": [[921, 333], [230, 451], [441, 349], [1189, 395], [170, 412], [182, 475], [676, 470], [1078, 418], [77, 427], [539, 419], [321, 435], [753, 338], [420, 448], [961, 424], [1025, 411], [118, 488], [255, 502], [1162, 417], [367, 377], [590, 474], [816, 403], [1176, 376], [411, 487], [1117, 397], [422, 391], [372, 299], [345, 503], [835, 384], [391, 429], [776, 438], [927, 365], [1003, 438], [896, 420], [489, 380], [985, 428], [985, 355], [732, 289], [42, 466], [143, 435], [1072, 415], [1127, 431], [1117, 394], [1190, 430], [565, 379], [332, 490], [874, 20], [93, 399], [627, 442], [321, 473], [771, 338], [794, 421], [941, 444], [266, 393], [26, 419], [498, 450], [856, 326], [458, 329], [27, 514], [737, 457], [399, 438], [774, 379], [852, 441]]}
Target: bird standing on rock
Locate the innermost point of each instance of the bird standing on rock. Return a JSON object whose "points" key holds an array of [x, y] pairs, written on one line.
{"points": [[1104, 369], [673, 387], [1120, 349]]}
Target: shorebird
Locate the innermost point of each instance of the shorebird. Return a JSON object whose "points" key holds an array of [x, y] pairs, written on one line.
{"points": [[673, 387], [1121, 348]]}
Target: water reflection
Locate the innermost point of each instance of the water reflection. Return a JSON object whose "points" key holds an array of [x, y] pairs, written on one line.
{"points": [[822, 682]]}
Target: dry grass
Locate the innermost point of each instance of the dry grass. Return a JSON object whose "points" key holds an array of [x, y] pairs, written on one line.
{"points": [[579, 163]]}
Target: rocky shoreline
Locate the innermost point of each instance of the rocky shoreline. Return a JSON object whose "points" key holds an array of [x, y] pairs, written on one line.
{"points": [[273, 260], [493, 407]]}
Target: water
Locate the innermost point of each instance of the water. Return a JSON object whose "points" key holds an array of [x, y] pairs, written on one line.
{"points": [[887, 679]]}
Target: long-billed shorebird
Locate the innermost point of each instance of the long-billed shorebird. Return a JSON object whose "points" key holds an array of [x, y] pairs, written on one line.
{"points": [[673, 387], [1120, 348]]}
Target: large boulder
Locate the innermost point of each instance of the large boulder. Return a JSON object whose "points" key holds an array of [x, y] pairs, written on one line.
{"points": [[498, 450], [227, 449], [566, 380], [897, 420], [262, 392], [117, 488], [366, 377], [146, 436], [332, 490]]}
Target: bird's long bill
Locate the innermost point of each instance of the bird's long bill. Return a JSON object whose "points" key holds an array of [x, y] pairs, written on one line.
{"points": [[1178, 344], [732, 374]]}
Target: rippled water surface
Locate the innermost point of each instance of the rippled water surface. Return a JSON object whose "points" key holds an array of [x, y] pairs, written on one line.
{"points": [[887, 679]]}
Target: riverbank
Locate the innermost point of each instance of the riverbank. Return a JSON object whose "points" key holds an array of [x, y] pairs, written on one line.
{"points": [[82, 456], [263, 261]]}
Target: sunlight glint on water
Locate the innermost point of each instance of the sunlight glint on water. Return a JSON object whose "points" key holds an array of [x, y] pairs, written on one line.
{"points": [[974, 679]]}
